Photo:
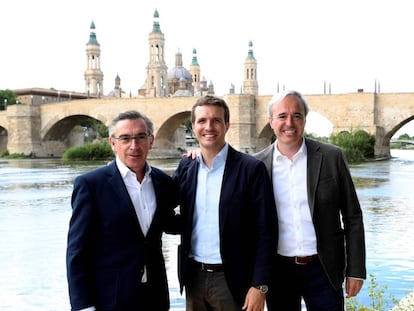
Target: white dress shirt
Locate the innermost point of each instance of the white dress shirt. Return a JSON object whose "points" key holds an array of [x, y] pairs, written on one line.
{"points": [[142, 196], [296, 231], [205, 241]]}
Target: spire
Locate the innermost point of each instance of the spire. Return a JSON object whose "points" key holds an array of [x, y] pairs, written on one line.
{"points": [[156, 25], [194, 62], [92, 35], [250, 53]]}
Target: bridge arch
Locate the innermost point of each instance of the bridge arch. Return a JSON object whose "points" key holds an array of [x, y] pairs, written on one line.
{"points": [[3, 139], [318, 124], [170, 136], [398, 126], [64, 134]]}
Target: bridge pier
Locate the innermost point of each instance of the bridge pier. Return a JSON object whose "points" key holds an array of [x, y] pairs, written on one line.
{"points": [[25, 122], [382, 144], [242, 132]]}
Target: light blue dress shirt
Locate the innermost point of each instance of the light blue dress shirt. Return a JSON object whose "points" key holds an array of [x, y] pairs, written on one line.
{"points": [[205, 241]]}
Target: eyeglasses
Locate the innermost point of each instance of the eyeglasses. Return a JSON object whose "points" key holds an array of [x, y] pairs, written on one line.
{"points": [[139, 139]]}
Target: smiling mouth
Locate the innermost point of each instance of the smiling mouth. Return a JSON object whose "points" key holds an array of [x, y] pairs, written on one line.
{"points": [[209, 135]]}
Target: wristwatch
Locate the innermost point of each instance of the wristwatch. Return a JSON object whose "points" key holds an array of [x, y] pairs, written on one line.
{"points": [[262, 288]]}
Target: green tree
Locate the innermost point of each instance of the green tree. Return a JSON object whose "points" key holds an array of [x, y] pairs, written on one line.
{"points": [[358, 146], [7, 97], [404, 137]]}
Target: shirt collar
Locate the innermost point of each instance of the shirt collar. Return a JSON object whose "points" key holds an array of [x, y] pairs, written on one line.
{"points": [[219, 159], [302, 150]]}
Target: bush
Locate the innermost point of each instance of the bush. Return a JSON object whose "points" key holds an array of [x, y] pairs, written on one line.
{"points": [[358, 146], [95, 151]]}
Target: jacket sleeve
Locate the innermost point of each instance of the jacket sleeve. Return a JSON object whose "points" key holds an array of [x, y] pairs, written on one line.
{"points": [[78, 255]]}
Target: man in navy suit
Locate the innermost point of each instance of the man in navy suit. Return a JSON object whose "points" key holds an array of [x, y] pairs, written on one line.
{"points": [[114, 255], [229, 215], [321, 232]]}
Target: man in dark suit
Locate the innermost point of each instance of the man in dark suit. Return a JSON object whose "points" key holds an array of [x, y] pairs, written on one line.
{"points": [[321, 232], [229, 217], [114, 255]]}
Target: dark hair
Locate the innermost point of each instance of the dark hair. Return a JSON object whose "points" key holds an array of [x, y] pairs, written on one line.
{"points": [[211, 100], [280, 96], [131, 115]]}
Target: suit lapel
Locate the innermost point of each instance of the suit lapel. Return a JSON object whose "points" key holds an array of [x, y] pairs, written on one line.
{"points": [[313, 170], [230, 181], [118, 186], [267, 159]]}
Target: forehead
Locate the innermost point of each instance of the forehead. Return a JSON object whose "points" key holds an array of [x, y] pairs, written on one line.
{"points": [[288, 104], [208, 111], [130, 125]]}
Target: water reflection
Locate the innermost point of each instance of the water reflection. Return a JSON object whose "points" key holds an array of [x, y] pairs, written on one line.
{"points": [[35, 211]]}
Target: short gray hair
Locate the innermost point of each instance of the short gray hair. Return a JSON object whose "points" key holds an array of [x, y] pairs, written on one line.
{"points": [[131, 115], [280, 96]]}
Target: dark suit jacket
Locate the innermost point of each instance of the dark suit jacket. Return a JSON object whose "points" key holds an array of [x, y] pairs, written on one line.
{"points": [[247, 221], [106, 249], [332, 200]]}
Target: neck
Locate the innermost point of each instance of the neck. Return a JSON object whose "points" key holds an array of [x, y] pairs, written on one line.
{"points": [[289, 150], [208, 155]]}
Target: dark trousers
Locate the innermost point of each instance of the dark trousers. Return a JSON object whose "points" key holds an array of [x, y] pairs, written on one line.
{"points": [[208, 291], [292, 282]]}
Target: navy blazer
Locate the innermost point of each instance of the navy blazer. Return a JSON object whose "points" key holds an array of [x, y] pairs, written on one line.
{"points": [[335, 210], [107, 250], [247, 221]]}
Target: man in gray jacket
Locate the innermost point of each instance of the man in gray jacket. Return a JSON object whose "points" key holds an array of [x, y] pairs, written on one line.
{"points": [[321, 232]]}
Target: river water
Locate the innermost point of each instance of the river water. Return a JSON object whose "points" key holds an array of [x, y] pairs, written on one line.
{"points": [[35, 211]]}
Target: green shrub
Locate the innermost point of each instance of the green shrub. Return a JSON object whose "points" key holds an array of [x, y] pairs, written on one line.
{"points": [[95, 151], [358, 146]]}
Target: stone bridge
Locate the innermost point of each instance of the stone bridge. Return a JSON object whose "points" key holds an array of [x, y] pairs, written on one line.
{"points": [[45, 130]]}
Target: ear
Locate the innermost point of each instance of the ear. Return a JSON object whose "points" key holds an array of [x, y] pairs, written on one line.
{"points": [[112, 143], [151, 142]]}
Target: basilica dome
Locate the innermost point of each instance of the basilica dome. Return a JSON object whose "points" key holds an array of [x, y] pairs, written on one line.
{"points": [[179, 73]]}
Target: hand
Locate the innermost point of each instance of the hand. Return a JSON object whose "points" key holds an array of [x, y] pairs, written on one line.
{"points": [[352, 287], [254, 301], [192, 154]]}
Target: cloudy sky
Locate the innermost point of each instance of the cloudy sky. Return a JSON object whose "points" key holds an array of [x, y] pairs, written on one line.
{"points": [[298, 44]]}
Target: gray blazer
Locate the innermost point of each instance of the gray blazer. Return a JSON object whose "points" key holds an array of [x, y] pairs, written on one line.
{"points": [[335, 210]]}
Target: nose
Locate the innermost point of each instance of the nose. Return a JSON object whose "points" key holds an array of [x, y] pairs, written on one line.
{"points": [[134, 143], [289, 120], [209, 124]]}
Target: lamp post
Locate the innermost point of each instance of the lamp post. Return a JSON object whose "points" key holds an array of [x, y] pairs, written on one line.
{"points": [[5, 104]]}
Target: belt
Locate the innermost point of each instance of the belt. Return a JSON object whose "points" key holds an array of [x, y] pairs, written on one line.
{"points": [[207, 267], [301, 260]]}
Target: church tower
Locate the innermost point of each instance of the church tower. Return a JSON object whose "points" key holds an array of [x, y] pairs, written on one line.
{"points": [[195, 73], [156, 82], [93, 73], [250, 85]]}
